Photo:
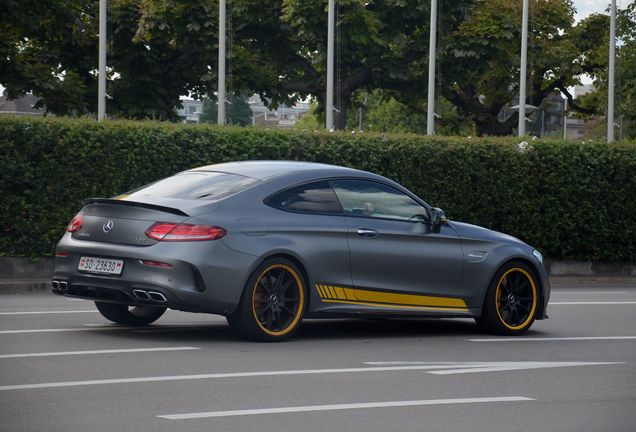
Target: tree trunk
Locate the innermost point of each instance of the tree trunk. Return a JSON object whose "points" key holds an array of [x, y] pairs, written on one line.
{"points": [[340, 116], [487, 124]]}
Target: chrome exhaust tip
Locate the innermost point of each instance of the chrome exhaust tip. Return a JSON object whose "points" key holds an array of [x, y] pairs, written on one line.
{"points": [[63, 286], [157, 296], [55, 285], [140, 294]]}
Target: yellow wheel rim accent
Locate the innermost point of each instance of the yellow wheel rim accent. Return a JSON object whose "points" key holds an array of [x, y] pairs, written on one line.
{"points": [[301, 300], [498, 305]]}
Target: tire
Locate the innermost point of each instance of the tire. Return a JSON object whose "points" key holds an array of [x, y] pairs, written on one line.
{"points": [[135, 316], [273, 302], [512, 301]]}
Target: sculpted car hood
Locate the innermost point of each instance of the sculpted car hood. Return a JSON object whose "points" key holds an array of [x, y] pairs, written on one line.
{"points": [[473, 231]]}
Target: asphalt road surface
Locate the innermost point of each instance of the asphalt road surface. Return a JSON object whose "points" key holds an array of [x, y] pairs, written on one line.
{"points": [[65, 368]]}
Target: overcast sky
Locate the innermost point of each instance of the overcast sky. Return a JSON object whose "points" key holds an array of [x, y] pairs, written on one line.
{"points": [[586, 7]]}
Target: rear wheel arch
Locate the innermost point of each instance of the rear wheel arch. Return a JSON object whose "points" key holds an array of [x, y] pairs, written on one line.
{"points": [[248, 322], [284, 255]]}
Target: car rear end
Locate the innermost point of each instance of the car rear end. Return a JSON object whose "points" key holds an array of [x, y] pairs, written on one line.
{"points": [[158, 245]]}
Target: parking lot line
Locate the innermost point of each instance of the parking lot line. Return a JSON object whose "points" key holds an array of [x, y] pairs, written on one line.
{"points": [[112, 351], [349, 406], [48, 312], [548, 339]]}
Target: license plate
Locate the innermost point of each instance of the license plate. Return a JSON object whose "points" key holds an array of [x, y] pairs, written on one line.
{"points": [[100, 265]]}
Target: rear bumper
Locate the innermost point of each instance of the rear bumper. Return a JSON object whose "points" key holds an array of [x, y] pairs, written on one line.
{"points": [[202, 277]]}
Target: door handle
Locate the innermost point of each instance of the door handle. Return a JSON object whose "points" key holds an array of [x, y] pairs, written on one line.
{"points": [[367, 232]]}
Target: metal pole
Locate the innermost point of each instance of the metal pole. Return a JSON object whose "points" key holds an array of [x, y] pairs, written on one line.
{"points": [[101, 77], [331, 17], [220, 119], [524, 67], [432, 45], [565, 120], [542, 124], [610, 86]]}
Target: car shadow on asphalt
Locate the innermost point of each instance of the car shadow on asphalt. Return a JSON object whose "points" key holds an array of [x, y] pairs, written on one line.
{"points": [[313, 329]]}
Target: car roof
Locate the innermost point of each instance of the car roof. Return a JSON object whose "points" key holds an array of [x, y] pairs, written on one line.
{"points": [[265, 169]]}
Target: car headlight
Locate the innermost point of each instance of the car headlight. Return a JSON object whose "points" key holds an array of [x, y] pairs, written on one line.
{"points": [[538, 255]]}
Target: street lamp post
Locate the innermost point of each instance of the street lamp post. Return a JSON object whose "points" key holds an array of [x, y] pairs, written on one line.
{"points": [[610, 81], [432, 45], [220, 118], [101, 77], [331, 18], [524, 67]]}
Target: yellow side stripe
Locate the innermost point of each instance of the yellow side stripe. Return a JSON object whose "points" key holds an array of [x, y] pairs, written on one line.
{"points": [[380, 298], [408, 299]]}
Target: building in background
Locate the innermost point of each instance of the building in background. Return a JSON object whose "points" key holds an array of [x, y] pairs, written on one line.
{"points": [[283, 117], [191, 110], [578, 128], [24, 105]]}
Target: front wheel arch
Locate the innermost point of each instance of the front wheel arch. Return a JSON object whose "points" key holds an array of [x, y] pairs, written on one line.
{"points": [[493, 315], [535, 273]]}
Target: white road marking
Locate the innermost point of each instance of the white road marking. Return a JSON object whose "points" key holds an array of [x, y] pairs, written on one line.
{"points": [[113, 351], [350, 406], [588, 292], [106, 327], [475, 367], [59, 330], [47, 312], [426, 366], [593, 303], [215, 376], [542, 339]]}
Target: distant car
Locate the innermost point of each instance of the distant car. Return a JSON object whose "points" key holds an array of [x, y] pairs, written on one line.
{"points": [[266, 243]]}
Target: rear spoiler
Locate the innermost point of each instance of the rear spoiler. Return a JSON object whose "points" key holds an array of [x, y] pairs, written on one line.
{"points": [[175, 211]]}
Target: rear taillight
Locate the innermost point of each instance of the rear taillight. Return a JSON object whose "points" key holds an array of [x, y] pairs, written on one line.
{"points": [[76, 223], [167, 231]]}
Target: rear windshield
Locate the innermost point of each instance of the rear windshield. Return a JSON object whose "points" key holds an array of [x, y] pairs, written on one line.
{"points": [[204, 185]]}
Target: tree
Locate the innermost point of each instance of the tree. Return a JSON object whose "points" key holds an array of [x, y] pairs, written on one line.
{"points": [[278, 47], [595, 103], [46, 48], [481, 59], [237, 112], [49, 48]]}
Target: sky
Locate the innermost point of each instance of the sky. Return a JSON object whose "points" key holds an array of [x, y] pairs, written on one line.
{"points": [[587, 7]]}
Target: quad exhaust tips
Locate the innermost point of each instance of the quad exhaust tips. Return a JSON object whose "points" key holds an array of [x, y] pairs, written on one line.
{"points": [[152, 296], [59, 285]]}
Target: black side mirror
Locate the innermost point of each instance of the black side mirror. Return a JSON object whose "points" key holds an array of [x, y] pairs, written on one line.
{"points": [[438, 218]]}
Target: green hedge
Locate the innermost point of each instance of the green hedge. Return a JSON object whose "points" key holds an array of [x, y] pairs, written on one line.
{"points": [[571, 200]]}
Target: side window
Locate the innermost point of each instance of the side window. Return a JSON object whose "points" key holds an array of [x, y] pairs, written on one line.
{"points": [[373, 199], [315, 197]]}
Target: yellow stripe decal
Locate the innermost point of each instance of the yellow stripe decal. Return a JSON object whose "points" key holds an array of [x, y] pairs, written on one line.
{"points": [[319, 291], [332, 293], [340, 293], [336, 294], [408, 299]]}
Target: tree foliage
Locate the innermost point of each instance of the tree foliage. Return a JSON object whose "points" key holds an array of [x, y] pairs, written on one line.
{"points": [[237, 111], [162, 49]]}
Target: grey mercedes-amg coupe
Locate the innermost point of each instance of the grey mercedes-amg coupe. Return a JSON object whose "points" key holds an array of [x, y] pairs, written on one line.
{"points": [[266, 243]]}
